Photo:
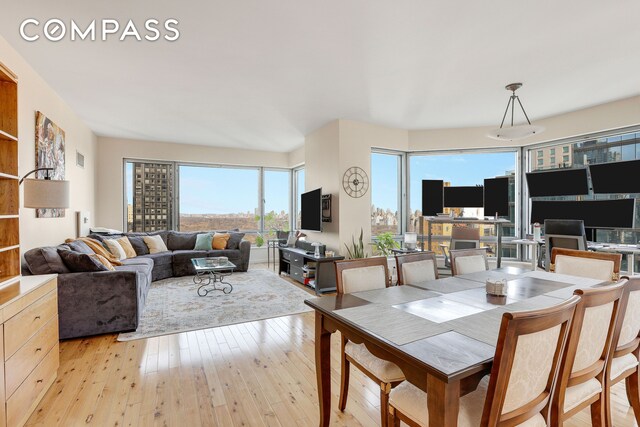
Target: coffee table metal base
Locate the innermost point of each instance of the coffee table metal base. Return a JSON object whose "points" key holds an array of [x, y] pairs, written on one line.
{"points": [[208, 281]]}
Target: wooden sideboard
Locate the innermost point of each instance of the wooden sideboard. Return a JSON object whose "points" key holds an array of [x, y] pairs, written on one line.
{"points": [[30, 351]]}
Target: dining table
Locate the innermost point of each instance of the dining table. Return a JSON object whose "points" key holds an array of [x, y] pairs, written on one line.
{"points": [[441, 333]]}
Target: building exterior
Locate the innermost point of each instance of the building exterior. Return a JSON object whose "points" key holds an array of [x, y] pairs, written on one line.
{"points": [[152, 196], [560, 156]]}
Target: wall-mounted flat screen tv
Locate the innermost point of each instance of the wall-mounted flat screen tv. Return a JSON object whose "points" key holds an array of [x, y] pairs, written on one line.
{"points": [[463, 197], [616, 177], [559, 182], [311, 210], [432, 197], [618, 213], [496, 196]]}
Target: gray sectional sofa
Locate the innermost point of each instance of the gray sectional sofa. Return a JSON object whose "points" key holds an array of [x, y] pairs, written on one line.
{"points": [[91, 303]]}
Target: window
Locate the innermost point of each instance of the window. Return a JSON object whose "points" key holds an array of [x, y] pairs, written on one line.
{"points": [[277, 197], [552, 160], [386, 172], [149, 195], [603, 150], [219, 198], [552, 152], [298, 183], [540, 162], [539, 153], [464, 169]]}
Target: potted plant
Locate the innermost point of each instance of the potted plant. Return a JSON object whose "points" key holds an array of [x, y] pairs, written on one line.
{"points": [[385, 244], [356, 251]]}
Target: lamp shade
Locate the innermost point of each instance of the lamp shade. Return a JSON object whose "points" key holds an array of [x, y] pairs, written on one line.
{"points": [[46, 194], [513, 133]]}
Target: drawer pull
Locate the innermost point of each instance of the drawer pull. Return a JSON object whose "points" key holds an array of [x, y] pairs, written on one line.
{"points": [[36, 318], [38, 349], [38, 381]]}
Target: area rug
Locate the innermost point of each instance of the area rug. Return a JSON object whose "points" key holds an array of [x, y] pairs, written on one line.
{"points": [[173, 305]]}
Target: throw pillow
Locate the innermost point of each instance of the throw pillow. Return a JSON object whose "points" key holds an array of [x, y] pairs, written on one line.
{"points": [[104, 262], [137, 242], [99, 249], [234, 240], [115, 249], [126, 245], [155, 244], [45, 260], [204, 242], [220, 241], [77, 262], [79, 246]]}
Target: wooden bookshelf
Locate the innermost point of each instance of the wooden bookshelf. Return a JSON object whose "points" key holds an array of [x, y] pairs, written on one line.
{"points": [[9, 181]]}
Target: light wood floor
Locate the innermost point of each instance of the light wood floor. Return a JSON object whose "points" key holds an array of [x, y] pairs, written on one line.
{"points": [[253, 374]]}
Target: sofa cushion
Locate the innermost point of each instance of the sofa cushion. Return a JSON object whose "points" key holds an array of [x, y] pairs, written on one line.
{"points": [[204, 242], [234, 240], [160, 258], [220, 241], [78, 262], [229, 253], [80, 246], [182, 265], [145, 270], [180, 240], [156, 244], [139, 260], [138, 244], [126, 246], [46, 260], [116, 249]]}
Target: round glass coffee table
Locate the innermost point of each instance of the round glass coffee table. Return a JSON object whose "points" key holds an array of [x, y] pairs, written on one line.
{"points": [[210, 272]]}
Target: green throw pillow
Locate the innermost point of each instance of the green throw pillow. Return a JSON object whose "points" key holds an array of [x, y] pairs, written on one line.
{"points": [[204, 242]]}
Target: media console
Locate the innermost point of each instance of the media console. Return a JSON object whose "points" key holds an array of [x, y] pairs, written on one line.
{"points": [[301, 265]]}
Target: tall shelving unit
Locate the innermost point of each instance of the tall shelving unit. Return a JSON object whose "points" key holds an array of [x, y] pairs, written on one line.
{"points": [[9, 180]]}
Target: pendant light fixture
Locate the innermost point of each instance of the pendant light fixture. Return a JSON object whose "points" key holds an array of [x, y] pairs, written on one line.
{"points": [[511, 133]]}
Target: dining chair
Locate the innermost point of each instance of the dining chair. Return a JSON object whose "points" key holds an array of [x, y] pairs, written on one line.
{"points": [[355, 276], [623, 362], [562, 233], [582, 368], [416, 268], [523, 374], [465, 261], [595, 265], [461, 238]]}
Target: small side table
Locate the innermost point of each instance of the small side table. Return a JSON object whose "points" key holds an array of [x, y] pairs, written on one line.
{"points": [[534, 250], [273, 245]]}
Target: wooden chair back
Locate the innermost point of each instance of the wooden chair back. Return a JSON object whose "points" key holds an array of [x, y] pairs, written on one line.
{"points": [[589, 343], [462, 253], [526, 364], [596, 265], [405, 271], [375, 274], [625, 336]]}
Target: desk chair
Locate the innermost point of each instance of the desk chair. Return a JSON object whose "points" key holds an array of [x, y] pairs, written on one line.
{"points": [[416, 268], [563, 233], [461, 238], [523, 375], [581, 382], [355, 276], [465, 261], [623, 361], [596, 265]]}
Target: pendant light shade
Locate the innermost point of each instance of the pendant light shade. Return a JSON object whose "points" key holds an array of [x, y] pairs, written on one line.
{"points": [[512, 133]]}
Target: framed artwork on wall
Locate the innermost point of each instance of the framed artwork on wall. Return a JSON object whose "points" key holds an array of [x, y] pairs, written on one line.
{"points": [[50, 153]]}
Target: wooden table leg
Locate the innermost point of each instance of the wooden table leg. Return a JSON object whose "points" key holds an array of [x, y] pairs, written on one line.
{"points": [[323, 369], [443, 401]]}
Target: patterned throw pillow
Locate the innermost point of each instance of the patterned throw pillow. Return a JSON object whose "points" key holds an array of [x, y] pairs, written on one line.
{"points": [[220, 241]]}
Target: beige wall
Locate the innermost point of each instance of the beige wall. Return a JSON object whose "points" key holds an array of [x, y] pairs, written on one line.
{"points": [[35, 95], [296, 157], [112, 151], [329, 152], [612, 115]]}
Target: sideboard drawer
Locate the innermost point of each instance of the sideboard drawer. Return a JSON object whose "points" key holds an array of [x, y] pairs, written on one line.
{"points": [[296, 274], [286, 254], [297, 260], [19, 405], [25, 324], [20, 365]]}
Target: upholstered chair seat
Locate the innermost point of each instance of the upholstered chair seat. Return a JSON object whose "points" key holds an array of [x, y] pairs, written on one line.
{"points": [[581, 393], [466, 261], [386, 371], [419, 271], [622, 364]]}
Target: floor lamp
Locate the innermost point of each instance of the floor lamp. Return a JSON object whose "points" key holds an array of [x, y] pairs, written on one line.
{"points": [[45, 193]]}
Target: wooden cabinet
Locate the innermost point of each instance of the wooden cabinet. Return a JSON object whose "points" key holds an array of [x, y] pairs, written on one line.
{"points": [[29, 350], [9, 181]]}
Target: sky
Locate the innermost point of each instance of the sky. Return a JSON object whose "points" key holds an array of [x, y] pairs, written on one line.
{"points": [[459, 169]]}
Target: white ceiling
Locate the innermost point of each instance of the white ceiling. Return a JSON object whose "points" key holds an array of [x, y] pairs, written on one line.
{"points": [[261, 74]]}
